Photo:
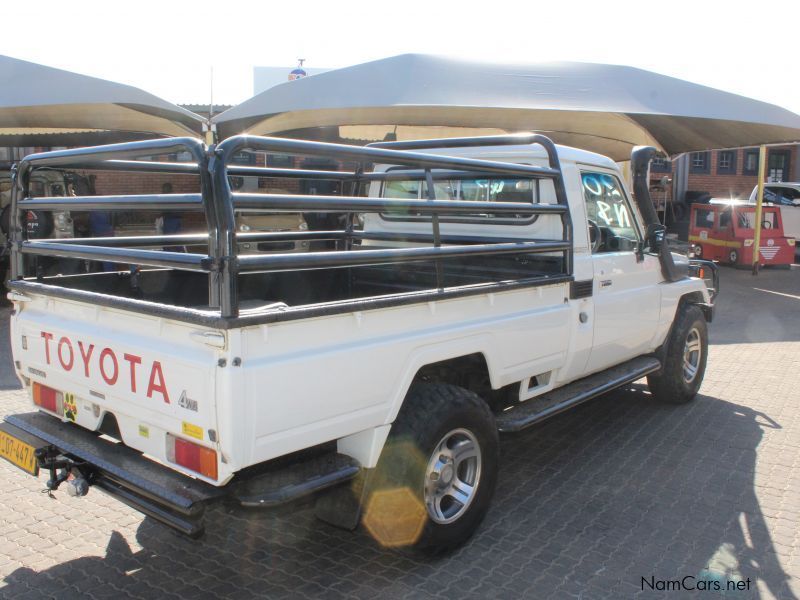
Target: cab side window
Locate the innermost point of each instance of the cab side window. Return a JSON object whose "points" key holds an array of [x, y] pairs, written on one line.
{"points": [[611, 222], [704, 218]]}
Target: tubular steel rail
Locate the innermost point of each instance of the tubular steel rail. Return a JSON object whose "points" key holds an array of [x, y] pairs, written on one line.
{"points": [[220, 204]]}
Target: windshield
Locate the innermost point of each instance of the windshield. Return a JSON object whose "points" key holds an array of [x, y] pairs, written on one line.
{"points": [[747, 219], [782, 195]]}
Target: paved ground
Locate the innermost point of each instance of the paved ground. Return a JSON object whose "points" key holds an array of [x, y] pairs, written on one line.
{"points": [[588, 504]]}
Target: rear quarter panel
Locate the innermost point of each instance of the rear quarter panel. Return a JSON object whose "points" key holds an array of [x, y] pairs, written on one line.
{"points": [[313, 380]]}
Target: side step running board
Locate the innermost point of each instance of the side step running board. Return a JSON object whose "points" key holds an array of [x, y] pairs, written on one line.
{"points": [[530, 412], [295, 480]]}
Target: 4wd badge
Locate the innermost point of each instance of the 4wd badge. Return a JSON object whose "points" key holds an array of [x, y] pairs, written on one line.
{"points": [[187, 403]]}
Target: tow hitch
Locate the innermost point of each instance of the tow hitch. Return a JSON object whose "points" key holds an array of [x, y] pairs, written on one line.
{"points": [[62, 468]]}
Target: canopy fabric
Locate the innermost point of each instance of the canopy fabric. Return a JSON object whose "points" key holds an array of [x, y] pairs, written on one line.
{"points": [[604, 108], [40, 105]]}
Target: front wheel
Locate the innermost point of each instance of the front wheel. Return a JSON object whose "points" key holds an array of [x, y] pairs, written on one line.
{"points": [[685, 358], [436, 476]]}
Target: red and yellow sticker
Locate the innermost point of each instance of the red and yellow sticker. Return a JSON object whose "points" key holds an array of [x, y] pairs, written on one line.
{"points": [[70, 407]]}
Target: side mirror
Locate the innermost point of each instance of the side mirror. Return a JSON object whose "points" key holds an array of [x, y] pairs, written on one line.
{"points": [[656, 234]]}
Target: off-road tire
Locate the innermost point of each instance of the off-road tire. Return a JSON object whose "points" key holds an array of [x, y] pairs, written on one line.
{"points": [[431, 411], [670, 383]]}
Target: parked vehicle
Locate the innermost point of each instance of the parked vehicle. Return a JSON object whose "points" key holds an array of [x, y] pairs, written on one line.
{"points": [[494, 283], [41, 224], [724, 230], [779, 194], [787, 197]]}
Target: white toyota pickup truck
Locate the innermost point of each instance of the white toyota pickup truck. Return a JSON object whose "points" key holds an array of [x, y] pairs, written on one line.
{"points": [[476, 287]]}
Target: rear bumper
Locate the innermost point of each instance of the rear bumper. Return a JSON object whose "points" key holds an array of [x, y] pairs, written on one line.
{"points": [[167, 495], [151, 488]]}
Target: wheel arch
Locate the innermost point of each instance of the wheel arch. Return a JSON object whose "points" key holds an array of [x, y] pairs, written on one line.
{"points": [[691, 298], [433, 364], [469, 365], [695, 299]]}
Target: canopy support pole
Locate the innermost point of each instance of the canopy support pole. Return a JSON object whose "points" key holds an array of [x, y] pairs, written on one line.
{"points": [[762, 167]]}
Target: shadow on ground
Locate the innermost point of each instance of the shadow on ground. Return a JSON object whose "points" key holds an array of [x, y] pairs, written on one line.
{"points": [[587, 505]]}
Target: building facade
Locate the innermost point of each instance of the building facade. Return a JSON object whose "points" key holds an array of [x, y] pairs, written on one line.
{"points": [[730, 173]]}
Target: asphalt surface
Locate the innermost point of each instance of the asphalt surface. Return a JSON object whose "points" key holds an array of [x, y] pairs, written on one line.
{"points": [[606, 501]]}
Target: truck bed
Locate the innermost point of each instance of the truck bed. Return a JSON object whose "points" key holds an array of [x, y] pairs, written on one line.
{"points": [[262, 292]]}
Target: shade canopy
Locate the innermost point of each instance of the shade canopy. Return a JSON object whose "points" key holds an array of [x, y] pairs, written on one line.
{"points": [[603, 108], [43, 106]]}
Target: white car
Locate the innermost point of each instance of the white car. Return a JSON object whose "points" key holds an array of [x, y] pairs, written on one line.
{"points": [[786, 195]]}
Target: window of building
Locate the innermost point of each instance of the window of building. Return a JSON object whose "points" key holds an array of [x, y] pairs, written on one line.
{"points": [[750, 166], [699, 162], [283, 161], [778, 165], [244, 158], [661, 164], [726, 162]]}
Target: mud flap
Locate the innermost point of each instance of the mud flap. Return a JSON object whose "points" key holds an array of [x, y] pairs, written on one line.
{"points": [[343, 506]]}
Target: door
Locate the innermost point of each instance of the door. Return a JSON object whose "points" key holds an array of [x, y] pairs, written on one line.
{"points": [[626, 292], [778, 165]]}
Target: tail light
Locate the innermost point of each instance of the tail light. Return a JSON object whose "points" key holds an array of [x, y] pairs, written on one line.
{"points": [[193, 456], [47, 398]]}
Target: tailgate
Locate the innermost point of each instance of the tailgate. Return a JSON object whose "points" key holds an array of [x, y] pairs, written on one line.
{"points": [[154, 376]]}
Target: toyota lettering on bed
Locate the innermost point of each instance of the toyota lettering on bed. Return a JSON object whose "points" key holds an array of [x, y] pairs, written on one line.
{"points": [[89, 358]]}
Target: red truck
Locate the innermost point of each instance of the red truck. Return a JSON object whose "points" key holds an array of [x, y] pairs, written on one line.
{"points": [[724, 230]]}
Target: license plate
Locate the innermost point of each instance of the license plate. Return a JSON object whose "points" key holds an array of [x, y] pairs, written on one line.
{"points": [[18, 453]]}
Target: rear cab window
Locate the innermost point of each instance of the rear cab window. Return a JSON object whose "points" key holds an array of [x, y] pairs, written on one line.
{"points": [[471, 190]]}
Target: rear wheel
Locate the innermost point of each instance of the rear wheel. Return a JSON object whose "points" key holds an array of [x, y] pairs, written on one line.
{"points": [[684, 359], [436, 476]]}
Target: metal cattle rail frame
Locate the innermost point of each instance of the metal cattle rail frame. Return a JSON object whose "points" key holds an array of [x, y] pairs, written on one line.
{"points": [[219, 204]]}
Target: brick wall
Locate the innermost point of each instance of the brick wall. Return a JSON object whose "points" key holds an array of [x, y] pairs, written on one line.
{"points": [[738, 184], [110, 183], [121, 182]]}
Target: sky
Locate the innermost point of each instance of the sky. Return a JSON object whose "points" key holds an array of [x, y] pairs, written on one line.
{"points": [[171, 48]]}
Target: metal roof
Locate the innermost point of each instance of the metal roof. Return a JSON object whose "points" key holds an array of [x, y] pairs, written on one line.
{"points": [[43, 106], [603, 108]]}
